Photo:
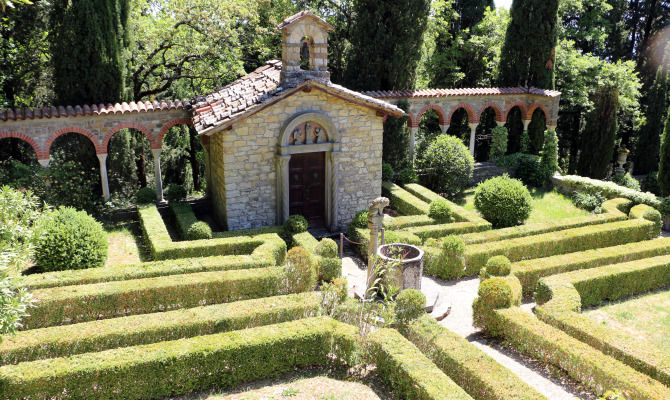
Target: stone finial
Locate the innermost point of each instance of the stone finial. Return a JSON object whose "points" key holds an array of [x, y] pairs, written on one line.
{"points": [[376, 213]]}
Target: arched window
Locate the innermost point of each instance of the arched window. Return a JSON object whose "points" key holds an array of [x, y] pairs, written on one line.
{"points": [[306, 46]]}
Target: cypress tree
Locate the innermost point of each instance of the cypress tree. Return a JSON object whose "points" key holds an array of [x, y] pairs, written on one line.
{"points": [[597, 145], [646, 152], [386, 42], [396, 140], [664, 163], [87, 42]]}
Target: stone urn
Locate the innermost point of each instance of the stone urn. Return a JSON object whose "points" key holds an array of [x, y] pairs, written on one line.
{"points": [[407, 262], [622, 155]]}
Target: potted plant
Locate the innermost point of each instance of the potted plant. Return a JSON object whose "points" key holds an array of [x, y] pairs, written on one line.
{"points": [[665, 212]]}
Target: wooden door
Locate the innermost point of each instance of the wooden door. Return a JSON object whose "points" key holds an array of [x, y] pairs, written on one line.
{"points": [[307, 187]]}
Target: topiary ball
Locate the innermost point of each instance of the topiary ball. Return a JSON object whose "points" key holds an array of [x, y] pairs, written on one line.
{"points": [[495, 293], [387, 172], [69, 239], [329, 268], [326, 248], [503, 201], [296, 224], [407, 175], [175, 192], [499, 266], [199, 230], [300, 271], [145, 195], [439, 210], [410, 304], [453, 245], [448, 164]]}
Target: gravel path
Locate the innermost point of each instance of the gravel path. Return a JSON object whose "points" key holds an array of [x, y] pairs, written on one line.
{"points": [[459, 295]]}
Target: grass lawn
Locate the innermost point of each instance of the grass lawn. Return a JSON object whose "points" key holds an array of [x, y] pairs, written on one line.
{"points": [[125, 244], [645, 317], [547, 206]]}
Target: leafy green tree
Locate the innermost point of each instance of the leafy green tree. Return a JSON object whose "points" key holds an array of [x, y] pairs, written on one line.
{"points": [[647, 149], [664, 163], [386, 42], [87, 41], [6, 3], [586, 23], [597, 147]]}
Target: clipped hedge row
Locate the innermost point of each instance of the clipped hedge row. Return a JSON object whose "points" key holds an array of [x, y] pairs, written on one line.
{"points": [[177, 367], [88, 337], [460, 214], [409, 373], [565, 294], [403, 201], [163, 248], [529, 272], [271, 252], [328, 267], [574, 183], [73, 304], [184, 217], [441, 230], [547, 244], [595, 370], [472, 369]]}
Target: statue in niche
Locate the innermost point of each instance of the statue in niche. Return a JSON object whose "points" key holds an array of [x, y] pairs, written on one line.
{"points": [[308, 133], [320, 135], [296, 135]]}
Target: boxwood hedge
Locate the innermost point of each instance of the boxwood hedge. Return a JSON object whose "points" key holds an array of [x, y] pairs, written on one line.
{"points": [[403, 201]]}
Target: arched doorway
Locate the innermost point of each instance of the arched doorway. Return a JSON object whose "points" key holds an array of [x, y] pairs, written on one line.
{"points": [[429, 129], [514, 125], [487, 121], [459, 125], [18, 159], [129, 161]]}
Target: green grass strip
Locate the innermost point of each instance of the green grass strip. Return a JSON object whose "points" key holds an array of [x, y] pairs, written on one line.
{"points": [[178, 367], [74, 304], [409, 373], [87, 337], [472, 369]]}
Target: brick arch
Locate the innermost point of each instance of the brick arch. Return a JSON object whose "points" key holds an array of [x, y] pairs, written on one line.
{"points": [[468, 108], [158, 143], [522, 107], [22, 136], [495, 107], [52, 138], [141, 128], [535, 106], [438, 109]]}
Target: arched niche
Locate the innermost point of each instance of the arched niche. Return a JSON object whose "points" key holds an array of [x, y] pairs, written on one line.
{"points": [[311, 132]]}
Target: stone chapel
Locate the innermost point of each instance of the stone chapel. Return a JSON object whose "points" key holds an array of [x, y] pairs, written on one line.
{"points": [[284, 140]]}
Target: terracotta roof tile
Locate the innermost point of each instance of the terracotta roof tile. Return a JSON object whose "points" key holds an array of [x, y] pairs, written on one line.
{"points": [[302, 14], [20, 114], [382, 94]]}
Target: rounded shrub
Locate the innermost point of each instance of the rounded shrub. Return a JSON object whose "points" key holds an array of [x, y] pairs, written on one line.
{"points": [[410, 304], [326, 248], [199, 230], [145, 195], [360, 220], [496, 266], [69, 239], [175, 192], [387, 172], [448, 164], [330, 268], [494, 293], [300, 270], [452, 260], [296, 224], [407, 175], [439, 210], [503, 201]]}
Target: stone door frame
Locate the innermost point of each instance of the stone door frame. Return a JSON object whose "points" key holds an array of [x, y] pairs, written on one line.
{"points": [[284, 152]]}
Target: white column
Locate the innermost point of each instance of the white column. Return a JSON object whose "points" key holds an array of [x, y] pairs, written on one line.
{"points": [[44, 162], [500, 123], [551, 128], [526, 122], [412, 139], [473, 131], [159, 177], [103, 175], [444, 128]]}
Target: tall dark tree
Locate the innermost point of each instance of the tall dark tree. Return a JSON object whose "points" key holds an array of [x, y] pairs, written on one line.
{"points": [[664, 163], [396, 140], [647, 149], [386, 42], [528, 53], [597, 147], [87, 42]]}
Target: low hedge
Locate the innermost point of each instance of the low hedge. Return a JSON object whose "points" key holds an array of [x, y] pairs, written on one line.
{"points": [[407, 221], [271, 252], [595, 370], [73, 304], [472, 369], [184, 217], [403, 201], [564, 295], [460, 214], [549, 244], [455, 228], [329, 268], [88, 337], [529, 272], [574, 183], [409, 373], [163, 248], [177, 367]]}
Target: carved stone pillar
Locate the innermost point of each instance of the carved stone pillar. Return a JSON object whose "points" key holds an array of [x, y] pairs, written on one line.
{"points": [[103, 175], [159, 176], [473, 132], [412, 139], [282, 192], [375, 224]]}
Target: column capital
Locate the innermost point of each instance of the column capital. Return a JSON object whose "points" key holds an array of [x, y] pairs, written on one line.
{"points": [[102, 156], [156, 151], [551, 128], [44, 162], [473, 125], [444, 128], [526, 122], [500, 123]]}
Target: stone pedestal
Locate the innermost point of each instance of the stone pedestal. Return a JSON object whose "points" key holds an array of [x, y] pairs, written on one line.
{"points": [[408, 265]]}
